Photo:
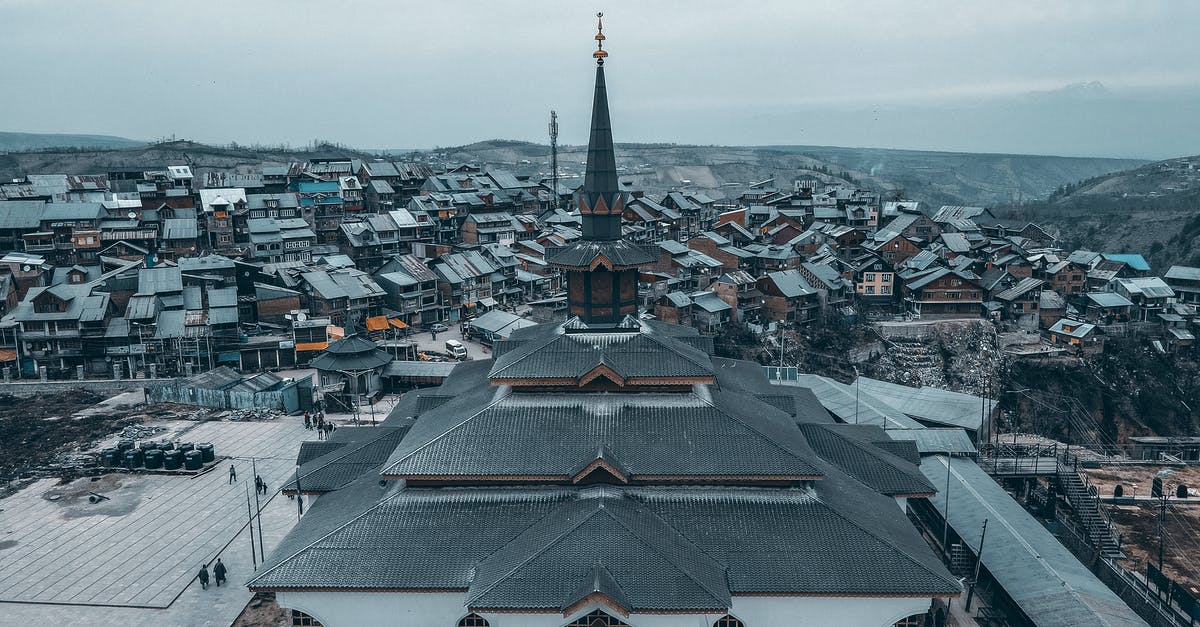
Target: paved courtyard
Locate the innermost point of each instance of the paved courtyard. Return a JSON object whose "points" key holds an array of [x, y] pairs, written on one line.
{"points": [[132, 559]]}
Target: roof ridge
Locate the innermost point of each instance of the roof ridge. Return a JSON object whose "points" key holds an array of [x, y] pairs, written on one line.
{"points": [[499, 398], [871, 532], [698, 551], [870, 449], [751, 427], [533, 555]]}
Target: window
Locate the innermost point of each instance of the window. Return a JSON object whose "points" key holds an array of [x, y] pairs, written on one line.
{"points": [[300, 619], [869, 277], [599, 619], [473, 620], [916, 620], [728, 621], [885, 289], [870, 289]]}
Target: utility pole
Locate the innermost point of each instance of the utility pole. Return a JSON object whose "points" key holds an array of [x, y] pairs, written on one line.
{"points": [[978, 561], [946, 518], [554, 159], [250, 527], [856, 378], [257, 509]]}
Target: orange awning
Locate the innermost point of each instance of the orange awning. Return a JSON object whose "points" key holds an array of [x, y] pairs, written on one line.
{"points": [[377, 323], [335, 333], [398, 323], [312, 346], [8, 354]]}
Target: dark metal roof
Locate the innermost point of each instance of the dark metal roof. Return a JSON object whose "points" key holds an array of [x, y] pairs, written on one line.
{"points": [[822, 541], [581, 254], [1042, 577], [852, 449], [490, 433]]}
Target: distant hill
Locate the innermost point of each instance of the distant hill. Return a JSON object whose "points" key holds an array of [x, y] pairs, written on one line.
{"points": [[725, 171], [202, 157], [720, 171], [1153, 209], [10, 142]]}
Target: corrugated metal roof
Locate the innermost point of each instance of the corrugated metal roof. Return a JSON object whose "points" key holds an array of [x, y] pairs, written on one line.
{"points": [[1037, 572], [932, 440], [929, 404]]}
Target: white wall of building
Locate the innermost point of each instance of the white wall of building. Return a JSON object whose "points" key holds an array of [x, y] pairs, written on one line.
{"points": [[354, 609]]}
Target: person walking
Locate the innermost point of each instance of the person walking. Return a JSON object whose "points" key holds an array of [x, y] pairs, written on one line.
{"points": [[264, 488], [307, 420], [219, 571], [203, 577], [232, 474]]}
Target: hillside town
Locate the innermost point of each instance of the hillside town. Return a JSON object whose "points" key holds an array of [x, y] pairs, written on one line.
{"points": [[153, 268], [467, 397]]}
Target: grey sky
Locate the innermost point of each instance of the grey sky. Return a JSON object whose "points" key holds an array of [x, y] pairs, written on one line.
{"points": [[933, 75]]}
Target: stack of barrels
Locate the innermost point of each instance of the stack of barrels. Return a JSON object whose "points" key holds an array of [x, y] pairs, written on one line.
{"points": [[155, 455]]}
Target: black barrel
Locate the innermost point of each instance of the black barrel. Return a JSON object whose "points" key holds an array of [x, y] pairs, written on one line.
{"points": [[206, 450], [110, 457], [173, 460], [167, 445], [133, 458], [124, 445], [193, 460], [147, 445], [186, 446], [154, 459]]}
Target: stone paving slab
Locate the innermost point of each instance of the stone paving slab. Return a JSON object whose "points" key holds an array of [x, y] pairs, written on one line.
{"points": [[143, 547]]}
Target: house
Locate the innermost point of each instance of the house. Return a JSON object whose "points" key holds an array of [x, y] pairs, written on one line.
{"points": [[788, 297], [875, 282], [893, 247], [723, 250], [488, 228], [1185, 281], [1080, 336], [219, 207], [412, 290], [943, 292], [346, 296], [273, 240], [832, 290], [1051, 307], [1149, 295], [1065, 277], [740, 291], [61, 326], [1107, 307], [1021, 300], [465, 283]]}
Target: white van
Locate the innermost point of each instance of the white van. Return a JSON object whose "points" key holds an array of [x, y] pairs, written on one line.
{"points": [[456, 349]]}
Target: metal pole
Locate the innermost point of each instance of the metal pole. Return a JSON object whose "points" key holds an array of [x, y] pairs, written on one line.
{"points": [[250, 527], [856, 386], [257, 509], [978, 561], [1162, 511], [946, 518]]}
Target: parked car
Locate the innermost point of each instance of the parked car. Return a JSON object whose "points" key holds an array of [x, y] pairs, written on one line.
{"points": [[438, 327]]}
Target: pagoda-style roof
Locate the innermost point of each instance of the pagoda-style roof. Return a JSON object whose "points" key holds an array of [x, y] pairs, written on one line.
{"points": [[569, 355], [351, 354], [663, 547], [495, 436], [591, 254]]}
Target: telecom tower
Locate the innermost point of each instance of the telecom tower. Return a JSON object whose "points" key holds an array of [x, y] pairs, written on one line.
{"points": [[554, 159]]}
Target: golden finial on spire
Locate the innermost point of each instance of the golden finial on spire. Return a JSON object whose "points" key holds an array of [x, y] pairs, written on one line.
{"points": [[599, 54]]}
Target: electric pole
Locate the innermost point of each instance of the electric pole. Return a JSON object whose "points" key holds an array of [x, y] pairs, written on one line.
{"points": [[554, 159]]}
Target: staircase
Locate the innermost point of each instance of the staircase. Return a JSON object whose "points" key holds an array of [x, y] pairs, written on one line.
{"points": [[1100, 530]]}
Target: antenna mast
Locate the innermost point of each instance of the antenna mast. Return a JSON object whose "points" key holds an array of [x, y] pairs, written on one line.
{"points": [[554, 159]]}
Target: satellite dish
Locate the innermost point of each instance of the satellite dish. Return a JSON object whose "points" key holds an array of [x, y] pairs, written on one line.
{"points": [[301, 317], [26, 268], [132, 215]]}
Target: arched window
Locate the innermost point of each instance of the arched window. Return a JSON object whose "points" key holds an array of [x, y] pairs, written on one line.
{"points": [[473, 620], [728, 621], [916, 620], [596, 619]]}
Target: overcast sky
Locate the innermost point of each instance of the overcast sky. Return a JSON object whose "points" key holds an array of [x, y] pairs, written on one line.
{"points": [[974, 76]]}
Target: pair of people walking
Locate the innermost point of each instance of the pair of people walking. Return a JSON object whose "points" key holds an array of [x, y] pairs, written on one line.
{"points": [[260, 485], [219, 573]]}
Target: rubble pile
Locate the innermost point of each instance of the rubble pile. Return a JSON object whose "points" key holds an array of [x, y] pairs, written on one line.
{"points": [[952, 355], [253, 413]]}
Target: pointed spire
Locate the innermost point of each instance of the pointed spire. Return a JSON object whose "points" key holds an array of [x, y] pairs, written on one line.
{"points": [[602, 202]]}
